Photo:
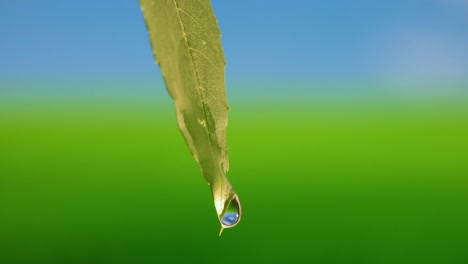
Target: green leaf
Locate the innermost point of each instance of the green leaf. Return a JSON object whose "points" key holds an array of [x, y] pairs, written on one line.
{"points": [[186, 44]]}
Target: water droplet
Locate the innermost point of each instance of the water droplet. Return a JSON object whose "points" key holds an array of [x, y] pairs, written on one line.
{"points": [[232, 213]]}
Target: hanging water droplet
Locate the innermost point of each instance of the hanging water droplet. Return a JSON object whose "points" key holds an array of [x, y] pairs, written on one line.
{"points": [[232, 213], [228, 206]]}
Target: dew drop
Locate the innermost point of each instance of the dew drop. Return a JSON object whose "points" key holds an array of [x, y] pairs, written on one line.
{"points": [[232, 213]]}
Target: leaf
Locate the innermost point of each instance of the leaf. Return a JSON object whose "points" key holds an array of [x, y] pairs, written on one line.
{"points": [[186, 44]]}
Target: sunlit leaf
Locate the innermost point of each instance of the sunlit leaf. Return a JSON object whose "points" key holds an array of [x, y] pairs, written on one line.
{"points": [[186, 44]]}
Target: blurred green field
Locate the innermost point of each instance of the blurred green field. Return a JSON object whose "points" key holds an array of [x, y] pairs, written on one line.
{"points": [[374, 181]]}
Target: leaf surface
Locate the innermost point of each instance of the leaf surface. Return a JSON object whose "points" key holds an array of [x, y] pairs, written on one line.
{"points": [[186, 44]]}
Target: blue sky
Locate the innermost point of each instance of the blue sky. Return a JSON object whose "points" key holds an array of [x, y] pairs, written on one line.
{"points": [[92, 40]]}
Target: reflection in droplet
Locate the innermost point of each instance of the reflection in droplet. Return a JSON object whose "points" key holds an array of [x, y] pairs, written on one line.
{"points": [[231, 214]]}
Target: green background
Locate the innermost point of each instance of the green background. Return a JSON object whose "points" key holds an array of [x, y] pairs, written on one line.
{"points": [[324, 179]]}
